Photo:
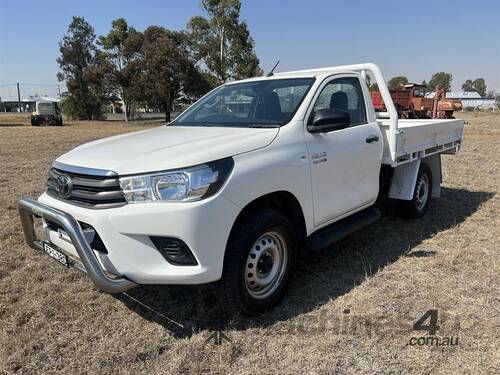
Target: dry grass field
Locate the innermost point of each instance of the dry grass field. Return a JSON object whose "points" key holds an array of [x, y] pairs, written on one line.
{"points": [[14, 119], [350, 309]]}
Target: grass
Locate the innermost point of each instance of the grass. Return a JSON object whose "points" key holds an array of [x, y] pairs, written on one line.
{"points": [[350, 309], [14, 119]]}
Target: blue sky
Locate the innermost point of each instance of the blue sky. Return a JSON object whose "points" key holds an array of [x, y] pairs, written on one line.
{"points": [[411, 38]]}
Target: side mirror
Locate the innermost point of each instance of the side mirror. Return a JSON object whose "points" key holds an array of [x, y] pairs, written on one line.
{"points": [[327, 120]]}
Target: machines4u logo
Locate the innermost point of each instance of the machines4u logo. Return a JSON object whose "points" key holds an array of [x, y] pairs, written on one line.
{"points": [[429, 323]]}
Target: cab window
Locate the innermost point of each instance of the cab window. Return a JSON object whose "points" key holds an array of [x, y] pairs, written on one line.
{"points": [[343, 94]]}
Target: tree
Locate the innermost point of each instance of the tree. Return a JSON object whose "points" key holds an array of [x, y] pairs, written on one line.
{"points": [[397, 82], [223, 42], [166, 71], [468, 85], [480, 86], [368, 80], [120, 47], [442, 80], [78, 52]]}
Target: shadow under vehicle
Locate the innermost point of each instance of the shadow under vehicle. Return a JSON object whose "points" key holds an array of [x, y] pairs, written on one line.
{"points": [[325, 276]]}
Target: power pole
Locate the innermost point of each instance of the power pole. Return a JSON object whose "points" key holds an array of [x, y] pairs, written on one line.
{"points": [[59, 90], [18, 98]]}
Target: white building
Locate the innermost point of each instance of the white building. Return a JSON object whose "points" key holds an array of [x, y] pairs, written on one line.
{"points": [[469, 99]]}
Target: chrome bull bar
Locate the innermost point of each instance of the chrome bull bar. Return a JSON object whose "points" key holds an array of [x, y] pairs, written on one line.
{"points": [[29, 207]]}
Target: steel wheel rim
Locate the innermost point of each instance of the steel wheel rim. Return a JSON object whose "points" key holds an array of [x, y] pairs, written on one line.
{"points": [[265, 265], [422, 192]]}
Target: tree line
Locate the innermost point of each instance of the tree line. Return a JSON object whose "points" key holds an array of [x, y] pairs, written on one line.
{"points": [[443, 80], [157, 67]]}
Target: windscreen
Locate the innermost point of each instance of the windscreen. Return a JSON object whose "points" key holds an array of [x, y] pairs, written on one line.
{"points": [[266, 103]]}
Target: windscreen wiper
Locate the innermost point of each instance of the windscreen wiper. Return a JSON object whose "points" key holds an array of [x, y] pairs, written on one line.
{"points": [[266, 126]]}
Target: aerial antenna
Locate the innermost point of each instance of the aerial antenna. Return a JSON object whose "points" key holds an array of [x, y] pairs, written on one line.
{"points": [[270, 74]]}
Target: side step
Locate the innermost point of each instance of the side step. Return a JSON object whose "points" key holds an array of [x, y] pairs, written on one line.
{"points": [[342, 228]]}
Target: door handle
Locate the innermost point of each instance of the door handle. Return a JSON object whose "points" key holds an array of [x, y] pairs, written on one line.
{"points": [[371, 139]]}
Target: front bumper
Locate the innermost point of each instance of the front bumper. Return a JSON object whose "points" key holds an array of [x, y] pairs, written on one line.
{"points": [[126, 231], [89, 264]]}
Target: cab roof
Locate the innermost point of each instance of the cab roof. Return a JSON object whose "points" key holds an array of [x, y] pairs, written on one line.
{"points": [[309, 73]]}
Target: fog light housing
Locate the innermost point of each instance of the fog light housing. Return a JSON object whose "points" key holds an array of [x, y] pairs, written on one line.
{"points": [[174, 250]]}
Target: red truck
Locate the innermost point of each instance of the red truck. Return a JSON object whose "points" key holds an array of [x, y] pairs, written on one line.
{"points": [[411, 102]]}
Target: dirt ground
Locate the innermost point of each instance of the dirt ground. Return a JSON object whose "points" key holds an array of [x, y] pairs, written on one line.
{"points": [[350, 310]]}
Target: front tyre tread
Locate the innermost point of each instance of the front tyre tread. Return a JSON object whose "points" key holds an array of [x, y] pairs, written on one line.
{"points": [[252, 226]]}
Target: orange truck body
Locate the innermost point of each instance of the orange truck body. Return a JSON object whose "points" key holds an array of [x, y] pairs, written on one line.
{"points": [[411, 102]]}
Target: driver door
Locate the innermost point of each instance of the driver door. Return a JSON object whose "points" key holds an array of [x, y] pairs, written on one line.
{"points": [[345, 164]]}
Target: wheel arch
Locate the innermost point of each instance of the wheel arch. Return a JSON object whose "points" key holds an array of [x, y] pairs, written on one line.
{"points": [[282, 201]]}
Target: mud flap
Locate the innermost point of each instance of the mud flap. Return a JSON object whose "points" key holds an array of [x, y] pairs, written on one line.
{"points": [[403, 180]]}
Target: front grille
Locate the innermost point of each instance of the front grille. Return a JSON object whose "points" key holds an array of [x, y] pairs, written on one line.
{"points": [[45, 109], [88, 190]]}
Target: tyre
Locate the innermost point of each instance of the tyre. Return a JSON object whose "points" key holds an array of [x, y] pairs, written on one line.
{"points": [[34, 121], [260, 261], [417, 207]]}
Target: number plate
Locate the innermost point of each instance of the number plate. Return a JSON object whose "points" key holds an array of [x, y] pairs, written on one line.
{"points": [[55, 254]]}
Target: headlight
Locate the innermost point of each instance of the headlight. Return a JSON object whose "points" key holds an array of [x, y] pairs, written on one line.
{"points": [[184, 185]]}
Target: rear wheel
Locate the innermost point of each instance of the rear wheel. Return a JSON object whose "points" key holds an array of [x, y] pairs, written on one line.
{"points": [[260, 262], [35, 121], [417, 207]]}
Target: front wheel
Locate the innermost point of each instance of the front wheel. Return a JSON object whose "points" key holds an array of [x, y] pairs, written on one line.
{"points": [[260, 262], [417, 207]]}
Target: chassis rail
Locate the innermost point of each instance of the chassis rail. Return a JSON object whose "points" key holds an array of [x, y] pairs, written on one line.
{"points": [[29, 207]]}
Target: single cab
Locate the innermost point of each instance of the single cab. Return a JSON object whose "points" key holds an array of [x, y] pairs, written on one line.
{"points": [[253, 175]]}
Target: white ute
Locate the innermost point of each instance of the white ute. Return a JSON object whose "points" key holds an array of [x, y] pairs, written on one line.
{"points": [[247, 179]]}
